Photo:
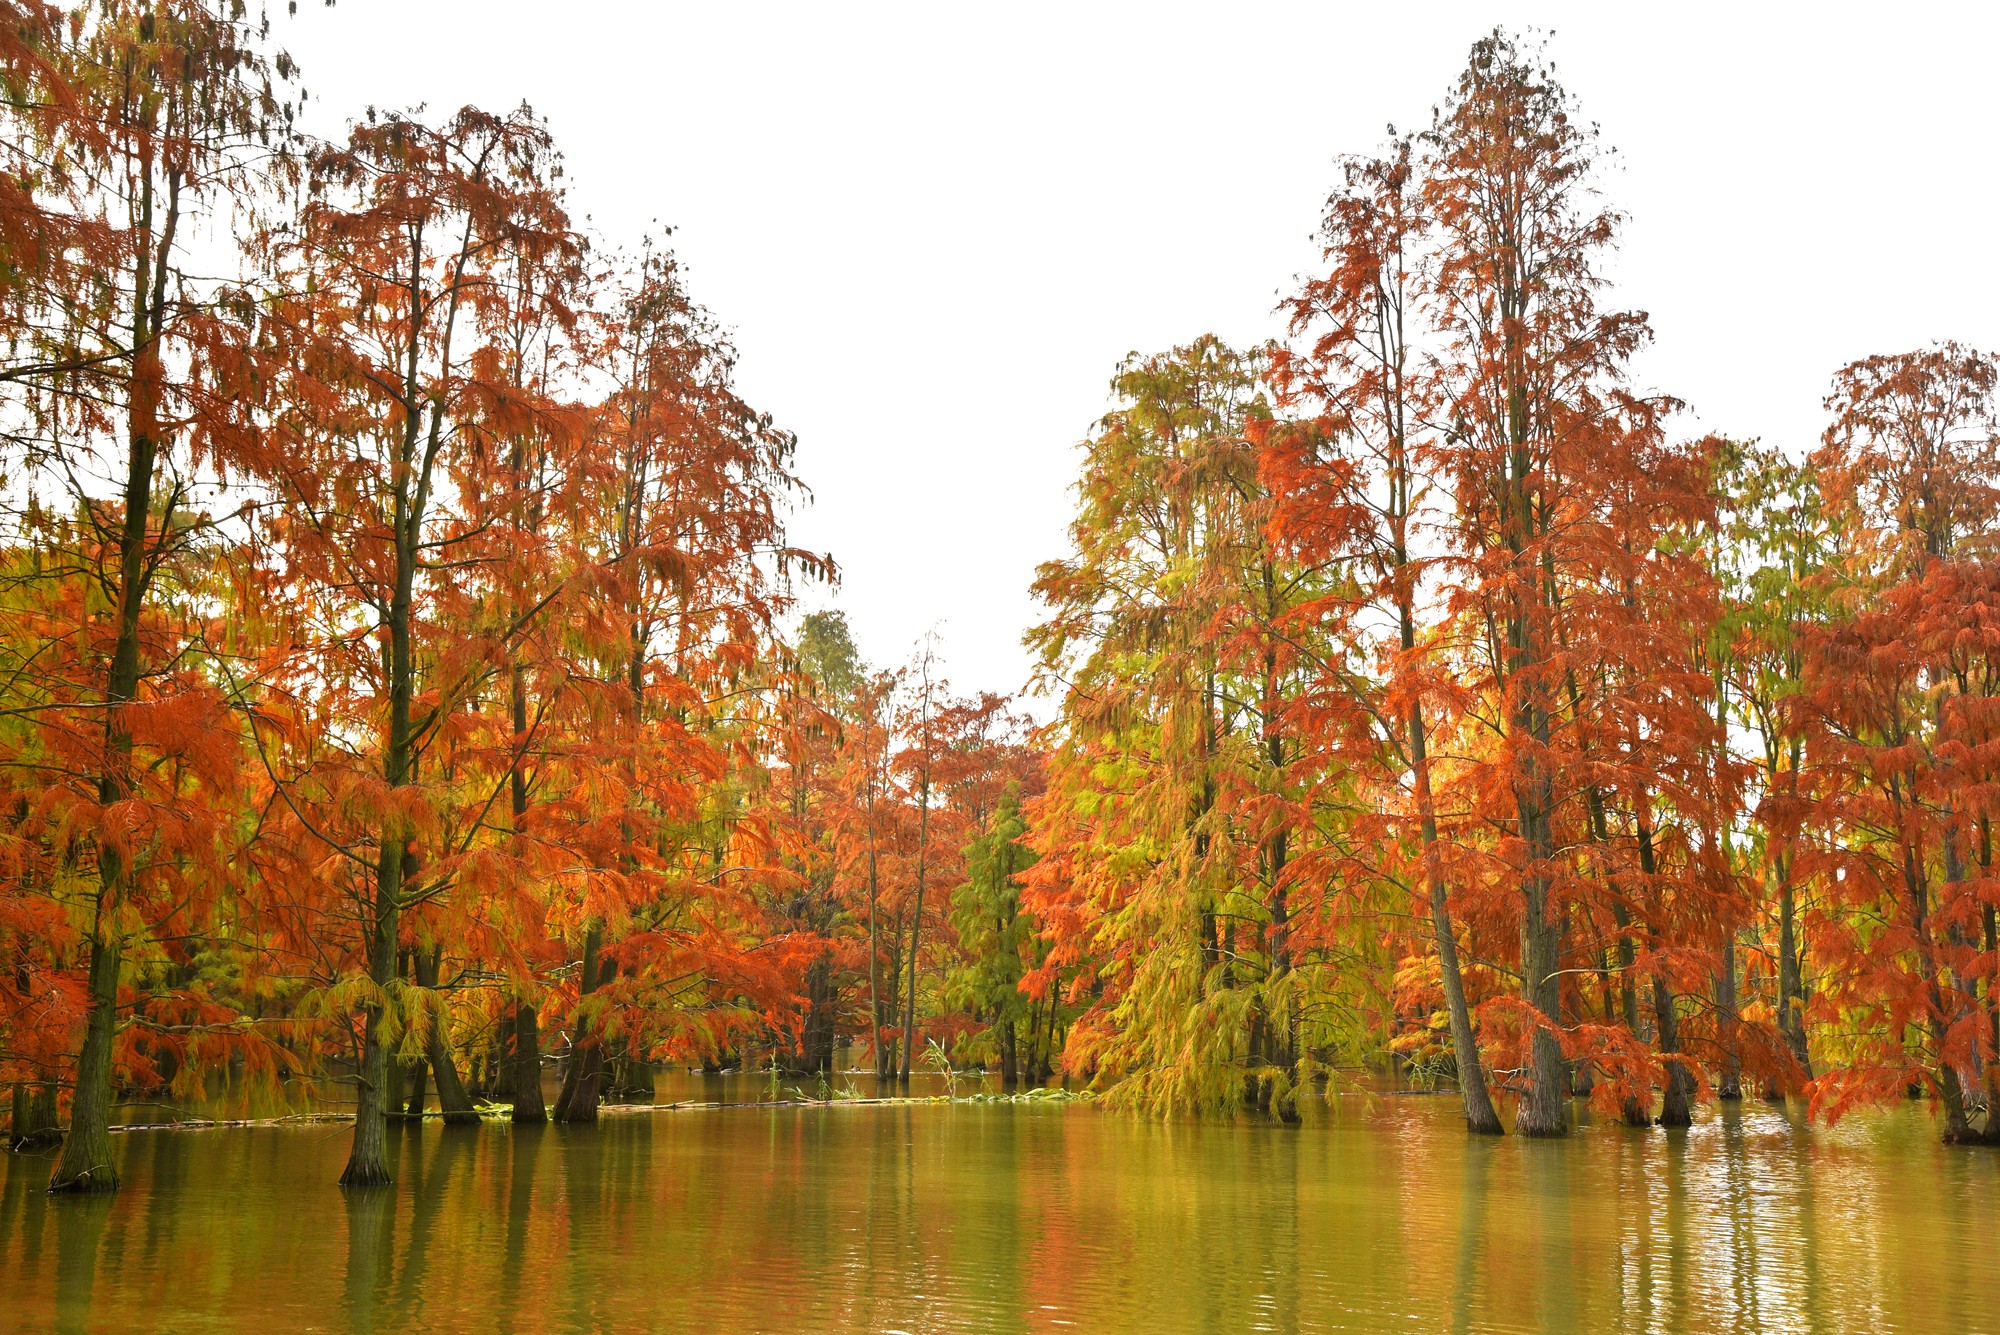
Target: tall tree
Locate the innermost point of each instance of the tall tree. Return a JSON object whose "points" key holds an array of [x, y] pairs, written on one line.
{"points": [[1352, 489], [138, 122], [1892, 713], [392, 328], [1533, 423]]}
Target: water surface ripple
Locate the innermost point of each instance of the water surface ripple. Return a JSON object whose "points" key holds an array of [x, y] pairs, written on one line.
{"points": [[1380, 1216]]}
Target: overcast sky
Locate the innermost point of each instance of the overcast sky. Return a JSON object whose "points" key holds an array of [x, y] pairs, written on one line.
{"points": [[935, 229]]}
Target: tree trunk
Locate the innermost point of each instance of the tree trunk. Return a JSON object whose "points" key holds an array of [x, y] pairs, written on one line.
{"points": [[453, 1101], [1951, 1095], [816, 1035], [916, 925], [35, 1123], [584, 1074], [524, 1066], [420, 1089], [1010, 1061], [85, 1164], [1677, 1100], [1791, 976], [1730, 1083], [1545, 1107], [875, 1016], [368, 1160], [1638, 1111], [1991, 921], [1481, 1118], [888, 1048]]}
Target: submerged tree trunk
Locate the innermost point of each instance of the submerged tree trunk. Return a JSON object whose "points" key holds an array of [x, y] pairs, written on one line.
{"points": [[1992, 1132], [1791, 976], [522, 1044], [916, 925], [1010, 1064], [1730, 1083], [584, 1074], [524, 1066], [1951, 1094], [368, 1159], [889, 1049], [34, 1122], [1677, 1100], [85, 1164], [817, 1034], [877, 1019], [1545, 1107], [368, 1162], [1282, 1041], [1481, 1118], [1637, 1111], [393, 1097], [453, 1101], [420, 1087]]}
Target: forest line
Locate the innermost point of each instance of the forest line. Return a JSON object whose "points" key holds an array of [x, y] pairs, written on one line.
{"points": [[399, 683]]}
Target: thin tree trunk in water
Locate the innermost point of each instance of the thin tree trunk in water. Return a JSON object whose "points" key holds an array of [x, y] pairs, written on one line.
{"points": [[1992, 925], [1637, 1112], [1791, 970], [887, 1052], [453, 1101], [368, 1160], [1958, 1130], [1676, 1101], [393, 1097], [1951, 1095], [916, 921], [1481, 1118], [1991, 922], [1285, 1023], [86, 1164], [1730, 1085], [1791, 977], [875, 1016], [1010, 1068], [523, 1043], [1545, 1107], [420, 1088], [585, 1073], [409, 1081]]}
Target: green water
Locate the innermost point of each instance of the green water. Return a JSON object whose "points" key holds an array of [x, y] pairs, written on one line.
{"points": [[1379, 1216]]}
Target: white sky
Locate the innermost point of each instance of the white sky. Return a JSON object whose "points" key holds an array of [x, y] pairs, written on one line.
{"points": [[935, 229]]}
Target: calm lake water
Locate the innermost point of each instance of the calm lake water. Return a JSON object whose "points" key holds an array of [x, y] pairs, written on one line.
{"points": [[1379, 1216]]}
